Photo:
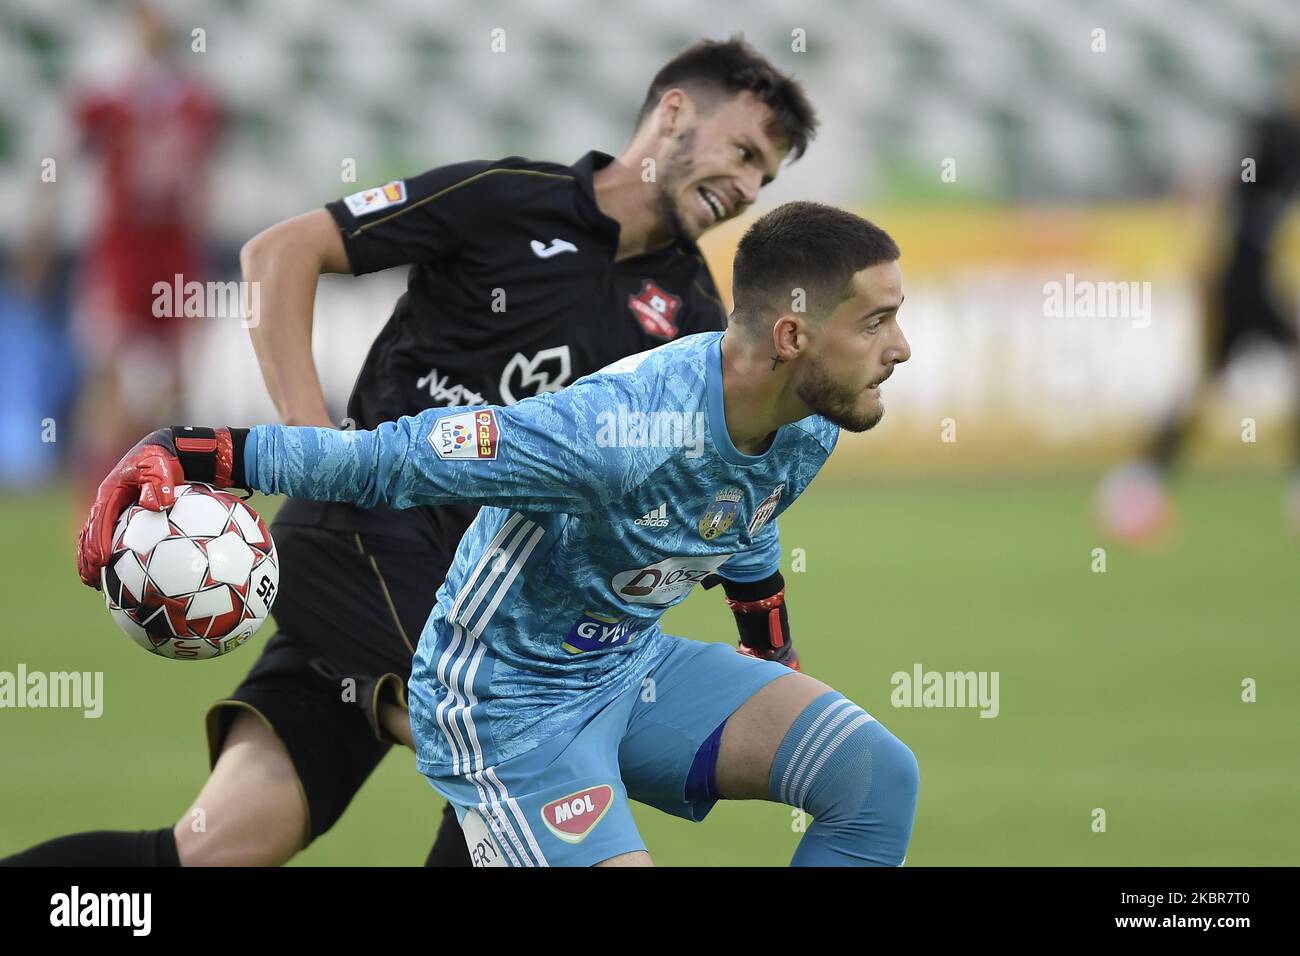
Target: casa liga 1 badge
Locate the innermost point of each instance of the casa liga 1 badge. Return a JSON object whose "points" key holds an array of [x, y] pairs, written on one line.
{"points": [[373, 200], [466, 435], [720, 515]]}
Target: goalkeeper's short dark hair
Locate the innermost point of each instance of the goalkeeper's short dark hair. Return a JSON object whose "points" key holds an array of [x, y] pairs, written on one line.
{"points": [[730, 67], [802, 252]]}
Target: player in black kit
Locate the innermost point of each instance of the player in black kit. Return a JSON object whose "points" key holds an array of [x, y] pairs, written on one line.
{"points": [[524, 276], [1241, 304]]}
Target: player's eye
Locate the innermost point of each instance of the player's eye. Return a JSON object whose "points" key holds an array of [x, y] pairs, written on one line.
{"points": [[745, 153]]}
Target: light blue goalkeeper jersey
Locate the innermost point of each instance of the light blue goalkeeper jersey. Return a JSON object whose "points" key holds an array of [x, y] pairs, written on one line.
{"points": [[604, 505]]}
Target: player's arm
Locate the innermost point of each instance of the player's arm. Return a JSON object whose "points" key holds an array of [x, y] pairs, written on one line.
{"points": [[417, 220], [542, 454], [755, 592], [533, 455], [286, 261]]}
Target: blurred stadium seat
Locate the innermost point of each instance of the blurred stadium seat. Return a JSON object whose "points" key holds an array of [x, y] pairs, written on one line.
{"points": [[1016, 85]]}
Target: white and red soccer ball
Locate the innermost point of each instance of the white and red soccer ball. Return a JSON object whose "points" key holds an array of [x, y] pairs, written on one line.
{"points": [[193, 581]]}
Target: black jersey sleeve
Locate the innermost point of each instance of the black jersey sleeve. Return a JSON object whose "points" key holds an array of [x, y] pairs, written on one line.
{"points": [[418, 220]]}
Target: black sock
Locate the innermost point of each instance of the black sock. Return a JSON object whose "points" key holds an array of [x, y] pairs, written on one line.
{"points": [[103, 848], [449, 847]]}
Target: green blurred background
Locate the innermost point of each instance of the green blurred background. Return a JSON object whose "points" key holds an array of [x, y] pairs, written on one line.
{"points": [[1118, 690]]}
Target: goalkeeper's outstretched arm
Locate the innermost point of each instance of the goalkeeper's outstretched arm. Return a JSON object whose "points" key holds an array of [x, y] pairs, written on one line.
{"points": [[520, 456], [540, 454]]}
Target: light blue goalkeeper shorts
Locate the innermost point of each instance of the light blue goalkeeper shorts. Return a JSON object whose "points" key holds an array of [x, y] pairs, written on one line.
{"points": [[565, 803]]}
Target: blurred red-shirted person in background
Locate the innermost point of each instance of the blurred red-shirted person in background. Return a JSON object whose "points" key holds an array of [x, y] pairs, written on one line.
{"points": [[154, 133]]}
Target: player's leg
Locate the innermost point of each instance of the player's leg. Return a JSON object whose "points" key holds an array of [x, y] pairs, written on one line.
{"points": [[299, 736], [1291, 500], [98, 329], [712, 724], [397, 722], [1133, 503], [639, 858], [1224, 321], [319, 693], [407, 580], [1277, 321], [800, 743], [102, 848], [560, 803], [288, 753], [130, 359], [252, 811]]}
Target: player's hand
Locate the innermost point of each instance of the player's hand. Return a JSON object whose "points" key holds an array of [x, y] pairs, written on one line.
{"points": [[149, 472], [785, 654]]}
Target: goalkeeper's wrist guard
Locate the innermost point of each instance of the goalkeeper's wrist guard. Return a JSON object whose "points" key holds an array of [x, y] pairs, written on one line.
{"points": [[761, 617], [214, 456]]}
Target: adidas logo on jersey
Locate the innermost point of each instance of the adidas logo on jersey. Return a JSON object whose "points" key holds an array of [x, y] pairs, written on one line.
{"points": [[658, 518]]}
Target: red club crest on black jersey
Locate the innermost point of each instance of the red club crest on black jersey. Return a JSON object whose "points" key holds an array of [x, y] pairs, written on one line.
{"points": [[654, 309]]}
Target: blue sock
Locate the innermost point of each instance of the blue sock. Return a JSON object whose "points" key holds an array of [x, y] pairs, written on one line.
{"points": [[856, 779]]}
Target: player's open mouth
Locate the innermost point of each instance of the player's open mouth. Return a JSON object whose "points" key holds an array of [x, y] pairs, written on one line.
{"points": [[712, 203], [877, 383]]}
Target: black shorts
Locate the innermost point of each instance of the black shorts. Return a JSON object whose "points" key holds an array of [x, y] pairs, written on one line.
{"points": [[350, 609], [1247, 306]]}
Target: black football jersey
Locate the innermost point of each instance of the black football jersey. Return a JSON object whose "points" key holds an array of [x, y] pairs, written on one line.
{"points": [[513, 290], [1258, 206]]}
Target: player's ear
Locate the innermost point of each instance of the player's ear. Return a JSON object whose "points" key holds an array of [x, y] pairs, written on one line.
{"points": [[788, 338], [673, 112]]}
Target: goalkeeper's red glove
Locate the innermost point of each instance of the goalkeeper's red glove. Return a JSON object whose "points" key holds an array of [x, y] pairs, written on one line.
{"points": [[150, 472], [761, 617]]}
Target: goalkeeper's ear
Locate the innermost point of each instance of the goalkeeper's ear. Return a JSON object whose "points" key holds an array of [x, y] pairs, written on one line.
{"points": [[760, 610]]}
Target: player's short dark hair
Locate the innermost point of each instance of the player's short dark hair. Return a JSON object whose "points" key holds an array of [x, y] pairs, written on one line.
{"points": [[804, 246], [732, 67]]}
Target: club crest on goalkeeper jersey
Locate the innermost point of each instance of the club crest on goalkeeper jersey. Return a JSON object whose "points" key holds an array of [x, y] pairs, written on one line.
{"points": [[604, 505]]}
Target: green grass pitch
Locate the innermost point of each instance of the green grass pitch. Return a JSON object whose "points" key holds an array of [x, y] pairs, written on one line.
{"points": [[1119, 690]]}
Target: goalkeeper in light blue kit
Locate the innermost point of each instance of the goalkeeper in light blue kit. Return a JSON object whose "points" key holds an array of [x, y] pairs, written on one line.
{"points": [[544, 695]]}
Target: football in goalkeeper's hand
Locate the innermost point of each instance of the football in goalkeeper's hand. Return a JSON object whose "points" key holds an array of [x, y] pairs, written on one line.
{"points": [[195, 580]]}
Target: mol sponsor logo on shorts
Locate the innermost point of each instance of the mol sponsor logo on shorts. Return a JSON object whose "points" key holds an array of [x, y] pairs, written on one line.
{"points": [[665, 581], [571, 818]]}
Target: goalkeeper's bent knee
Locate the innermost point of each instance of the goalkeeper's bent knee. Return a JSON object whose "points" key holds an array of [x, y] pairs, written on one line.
{"points": [[857, 780]]}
